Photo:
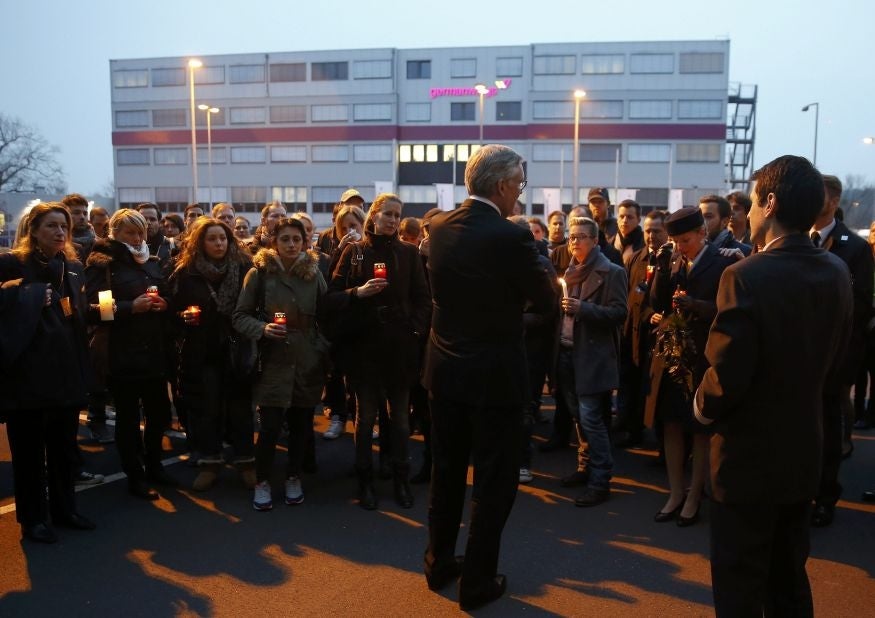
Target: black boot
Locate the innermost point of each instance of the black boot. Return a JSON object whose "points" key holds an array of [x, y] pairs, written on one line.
{"points": [[403, 495], [367, 493]]}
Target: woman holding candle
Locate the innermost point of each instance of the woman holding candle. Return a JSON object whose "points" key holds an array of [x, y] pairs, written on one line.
{"points": [[206, 284], [278, 305], [43, 341], [379, 286], [136, 366]]}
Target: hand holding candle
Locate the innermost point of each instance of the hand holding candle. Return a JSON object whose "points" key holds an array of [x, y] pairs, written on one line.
{"points": [[564, 287], [152, 291], [192, 315], [279, 318], [380, 271]]}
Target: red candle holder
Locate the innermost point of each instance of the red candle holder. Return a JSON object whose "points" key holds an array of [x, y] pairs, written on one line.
{"points": [[279, 317], [152, 291], [648, 277], [380, 271]]}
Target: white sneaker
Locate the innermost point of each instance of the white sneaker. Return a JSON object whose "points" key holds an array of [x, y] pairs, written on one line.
{"points": [[335, 429], [261, 499], [87, 478], [526, 475], [294, 492]]}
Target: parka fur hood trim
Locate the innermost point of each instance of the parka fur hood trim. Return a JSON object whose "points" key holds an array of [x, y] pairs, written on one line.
{"points": [[305, 267], [105, 251]]}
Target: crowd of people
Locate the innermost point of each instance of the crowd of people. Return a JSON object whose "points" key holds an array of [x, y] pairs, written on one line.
{"points": [[392, 321]]}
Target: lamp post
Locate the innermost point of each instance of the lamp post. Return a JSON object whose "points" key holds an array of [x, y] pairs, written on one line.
{"points": [[482, 90], [578, 95], [193, 64], [869, 140], [210, 111], [816, 122]]}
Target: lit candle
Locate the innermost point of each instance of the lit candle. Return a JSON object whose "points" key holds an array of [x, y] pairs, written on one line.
{"points": [[649, 276], [379, 270], [279, 317], [564, 287], [194, 314], [105, 300], [152, 291]]}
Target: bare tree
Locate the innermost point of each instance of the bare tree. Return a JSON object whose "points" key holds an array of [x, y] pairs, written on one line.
{"points": [[27, 160]]}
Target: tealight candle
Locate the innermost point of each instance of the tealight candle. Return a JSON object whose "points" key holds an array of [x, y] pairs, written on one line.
{"points": [[194, 314], [104, 299]]}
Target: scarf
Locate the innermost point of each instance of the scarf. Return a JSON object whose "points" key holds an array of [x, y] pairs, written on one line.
{"points": [[636, 235], [576, 274], [140, 254], [229, 288]]}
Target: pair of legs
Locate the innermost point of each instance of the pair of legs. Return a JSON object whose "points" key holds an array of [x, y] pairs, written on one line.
{"points": [[488, 436], [369, 396], [134, 448], [675, 458], [221, 410], [300, 423]]}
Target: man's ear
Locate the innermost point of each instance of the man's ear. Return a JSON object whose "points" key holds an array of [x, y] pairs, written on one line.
{"points": [[771, 206]]}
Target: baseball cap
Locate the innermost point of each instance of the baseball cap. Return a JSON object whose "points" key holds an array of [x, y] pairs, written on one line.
{"points": [[598, 192], [349, 194]]}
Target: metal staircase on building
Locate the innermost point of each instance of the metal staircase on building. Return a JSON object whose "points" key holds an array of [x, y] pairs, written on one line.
{"points": [[740, 134]]}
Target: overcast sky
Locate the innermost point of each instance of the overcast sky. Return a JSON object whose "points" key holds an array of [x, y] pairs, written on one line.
{"points": [[54, 55]]}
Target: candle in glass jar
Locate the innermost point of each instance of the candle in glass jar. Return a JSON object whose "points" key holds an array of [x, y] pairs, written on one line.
{"points": [[649, 276], [152, 291], [105, 301], [193, 313], [564, 287], [279, 317], [379, 270]]}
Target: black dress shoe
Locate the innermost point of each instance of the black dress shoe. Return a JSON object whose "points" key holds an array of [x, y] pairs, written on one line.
{"points": [[823, 515], [662, 516], [592, 497], [160, 477], [493, 591], [683, 522], [868, 496], [141, 490], [74, 521], [39, 533], [578, 477], [442, 576]]}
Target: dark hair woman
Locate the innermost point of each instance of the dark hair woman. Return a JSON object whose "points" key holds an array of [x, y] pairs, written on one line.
{"points": [[278, 305], [135, 338], [209, 276], [43, 341], [379, 290]]}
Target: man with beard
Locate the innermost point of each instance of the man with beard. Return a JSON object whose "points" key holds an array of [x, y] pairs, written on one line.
{"points": [[717, 212]]}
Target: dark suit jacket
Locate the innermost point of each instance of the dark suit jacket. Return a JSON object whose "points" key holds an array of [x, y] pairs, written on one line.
{"points": [[783, 318], [855, 252], [482, 269], [637, 327]]}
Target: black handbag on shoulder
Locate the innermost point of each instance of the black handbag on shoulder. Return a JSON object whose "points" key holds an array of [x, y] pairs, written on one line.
{"points": [[245, 353]]}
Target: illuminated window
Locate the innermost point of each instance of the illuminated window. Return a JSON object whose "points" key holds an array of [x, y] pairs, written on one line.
{"points": [[404, 153], [431, 153], [418, 153]]}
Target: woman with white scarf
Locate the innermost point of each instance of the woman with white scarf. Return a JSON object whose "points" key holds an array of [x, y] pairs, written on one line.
{"points": [[135, 346]]}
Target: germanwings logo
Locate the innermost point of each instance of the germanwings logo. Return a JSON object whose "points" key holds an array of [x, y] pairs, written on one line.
{"points": [[489, 91]]}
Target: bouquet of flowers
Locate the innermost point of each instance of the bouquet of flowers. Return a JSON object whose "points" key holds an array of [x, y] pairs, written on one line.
{"points": [[674, 343]]}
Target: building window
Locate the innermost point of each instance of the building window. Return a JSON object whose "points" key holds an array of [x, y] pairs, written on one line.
{"points": [[130, 79], [169, 117], [171, 156], [248, 154], [552, 110], [419, 69], [711, 109], [329, 113], [295, 198], [552, 152], [650, 109], [554, 65], [371, 111], [701, 62], [463, 67], [698, 153], [288, 113], [247, 115], [508, 111], [371, 69], [248, 199], [649, 153], [288, 154], [418, 112], [131, 196], [132, 156], [168, 77], [246, 73], [461, 111], [138, 118], [330, 154], [651, 63], [602, 64], [601, 109], [220, 155], [508, 67], [288, 72], [329, 71], [209, 75], [172, 199], [418, 194], [372, 153], [324, 198], [604, 153], [216, 118]]}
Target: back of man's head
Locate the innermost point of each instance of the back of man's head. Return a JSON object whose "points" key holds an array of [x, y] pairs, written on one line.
{"points": [[798, 188], [488, 166]]}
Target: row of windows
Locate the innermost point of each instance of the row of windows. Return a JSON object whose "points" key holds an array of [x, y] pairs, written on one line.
{"points": [[249, 199], [616, 64], [361, 153], [696, 152], [464, 111]]}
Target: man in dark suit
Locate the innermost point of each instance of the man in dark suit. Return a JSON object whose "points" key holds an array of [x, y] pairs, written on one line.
{"points": [[483, 269], [717, 212], [763, 393], [831, 234], [630, 237]]}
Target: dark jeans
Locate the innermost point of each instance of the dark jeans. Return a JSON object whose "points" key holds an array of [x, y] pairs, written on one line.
{"points": [[44, 456], [398, 398], [135, 449], [758, 555], [300, 422], [223, 411], [489, 437]]}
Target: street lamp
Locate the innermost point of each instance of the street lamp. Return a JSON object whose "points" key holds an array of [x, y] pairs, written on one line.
{"points": [[578, 95], [210, 111], [816, 122], [869, 140], [193, 64], [482, 90]]}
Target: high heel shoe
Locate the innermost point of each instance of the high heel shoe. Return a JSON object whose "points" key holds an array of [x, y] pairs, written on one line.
{"points": [[683, 522], [662, 516]]}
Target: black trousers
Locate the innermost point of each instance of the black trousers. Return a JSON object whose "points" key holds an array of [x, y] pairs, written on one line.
{"points": [[830, 489], [300, 423], [758, 555], [44, 456], [490, 437], [135, 449]]}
